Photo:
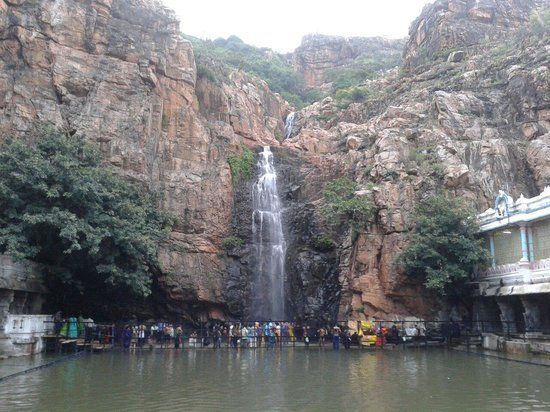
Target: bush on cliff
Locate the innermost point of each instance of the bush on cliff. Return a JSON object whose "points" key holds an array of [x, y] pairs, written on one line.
{"points": [[232, 242], [343, 205], [242, 166], [96, 234], [443, 245], [323, 243]]}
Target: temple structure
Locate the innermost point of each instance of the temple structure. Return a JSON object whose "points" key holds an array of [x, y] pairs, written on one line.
{"points": [[515, 290], [21, 297]]}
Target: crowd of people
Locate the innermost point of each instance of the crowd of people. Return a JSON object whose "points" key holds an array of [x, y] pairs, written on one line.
{"points": [[268, 334], [241, 335]]}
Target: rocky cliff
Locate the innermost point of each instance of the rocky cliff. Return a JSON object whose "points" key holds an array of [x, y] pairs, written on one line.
{"points": [[318, 55], [449, 25], [470, 126], [118, 72]]}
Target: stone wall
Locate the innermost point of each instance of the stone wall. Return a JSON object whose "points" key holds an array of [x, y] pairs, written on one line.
{"points": [[21, 296], [21, 288], [23, 334]]}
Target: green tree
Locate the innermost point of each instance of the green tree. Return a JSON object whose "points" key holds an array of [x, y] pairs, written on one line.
{"points": [[343, 205], [443, 245], [96, 234]]}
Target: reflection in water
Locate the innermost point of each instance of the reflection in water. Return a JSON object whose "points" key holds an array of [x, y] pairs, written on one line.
{"points": [[288, 379]]}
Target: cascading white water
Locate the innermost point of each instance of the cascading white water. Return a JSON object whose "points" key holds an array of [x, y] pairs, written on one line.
{"points": [[289, 122], [268, 299]]}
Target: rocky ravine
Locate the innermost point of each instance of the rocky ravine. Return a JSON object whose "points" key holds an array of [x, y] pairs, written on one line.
{"points": [[118, 72]]}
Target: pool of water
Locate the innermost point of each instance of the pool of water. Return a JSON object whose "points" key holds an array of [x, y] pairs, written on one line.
{"points": [[19, 364], [289, 379]]}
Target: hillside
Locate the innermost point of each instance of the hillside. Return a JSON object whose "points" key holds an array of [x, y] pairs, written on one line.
{"points": [[320, 66]]}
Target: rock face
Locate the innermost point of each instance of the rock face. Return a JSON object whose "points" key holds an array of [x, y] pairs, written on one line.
{"points": [[117, 72], [319, 54], [447, 25], [469, 128]]}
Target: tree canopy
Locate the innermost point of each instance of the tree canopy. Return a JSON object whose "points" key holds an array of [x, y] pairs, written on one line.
{"points": [[443, 245], [96, 234]]}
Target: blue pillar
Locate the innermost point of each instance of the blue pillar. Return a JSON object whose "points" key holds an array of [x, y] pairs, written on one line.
{"points": [[524, 245], [492, 249], [530, 244]]}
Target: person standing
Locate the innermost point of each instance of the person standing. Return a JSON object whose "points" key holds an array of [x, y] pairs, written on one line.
{"points": [[57, 322], [127, 337], [230, 333], [178, 337], [306, 336], [336, 338], [217, 337], [244, 336], [322, 333], [141, 335], [394, 334], [267, 334], [347, 339], [285, 333], [73, 328]]}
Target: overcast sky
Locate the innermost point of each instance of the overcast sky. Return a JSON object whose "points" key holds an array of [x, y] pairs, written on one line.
{"points": [[280, 24]]}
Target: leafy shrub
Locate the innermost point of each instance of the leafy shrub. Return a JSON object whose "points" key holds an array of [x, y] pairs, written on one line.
{"points": [[427, 160], [443, 245], [323, 243], [242, 166], [232, 243], [203, 71], [165, 121], [343, 205], [539, 23]]}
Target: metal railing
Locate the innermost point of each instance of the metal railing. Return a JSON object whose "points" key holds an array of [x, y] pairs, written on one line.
{"points": [[375, 333]]}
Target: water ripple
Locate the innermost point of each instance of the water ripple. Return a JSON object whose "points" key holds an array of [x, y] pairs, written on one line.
{"points": [[291, 379]]}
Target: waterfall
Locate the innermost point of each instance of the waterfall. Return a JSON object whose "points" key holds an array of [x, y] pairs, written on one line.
{"points": [[268, 292], [289, 122]]}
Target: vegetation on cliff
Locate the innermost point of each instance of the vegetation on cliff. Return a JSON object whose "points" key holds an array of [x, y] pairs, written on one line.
{"points": [[368, 66], [344, 205], [232, 242], [323, 243], [242, 166], [214, 58], [444, 247], [261, 62], [96, 234]]}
